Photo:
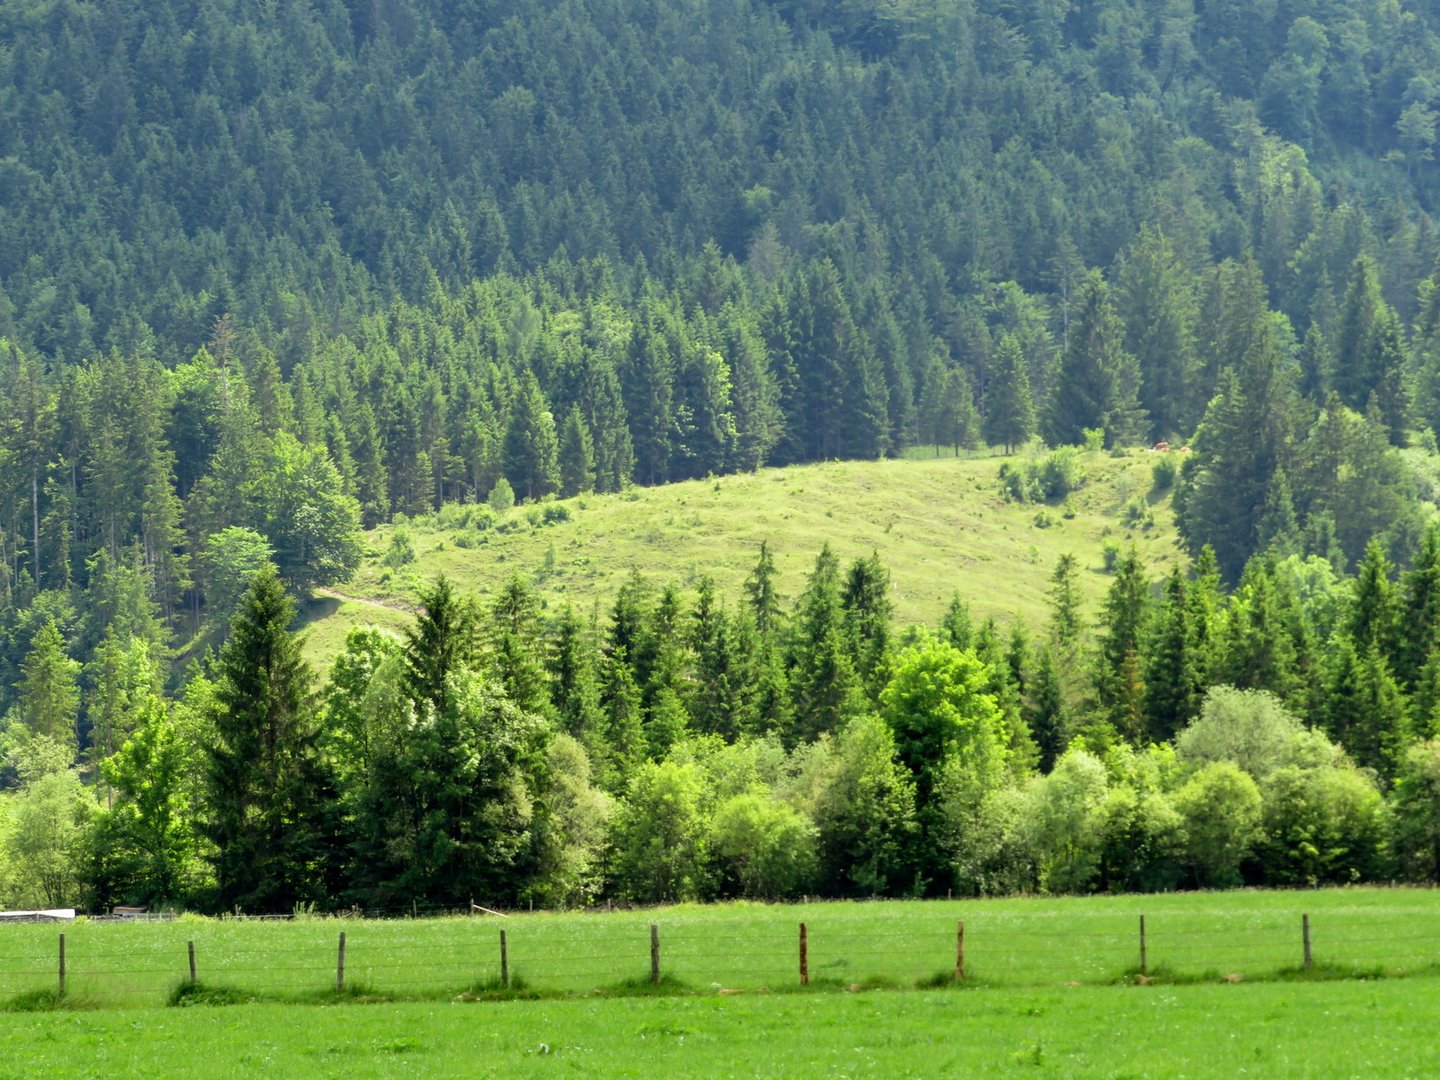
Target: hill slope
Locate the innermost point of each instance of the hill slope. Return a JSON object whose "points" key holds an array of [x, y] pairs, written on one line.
{"points": [[941, 525]]}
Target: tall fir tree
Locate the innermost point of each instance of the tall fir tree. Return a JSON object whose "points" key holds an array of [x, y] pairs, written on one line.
{"points": [[1009, 410], [268, 793]]}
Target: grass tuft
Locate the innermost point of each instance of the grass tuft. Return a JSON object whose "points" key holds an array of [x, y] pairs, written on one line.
{"points": [[188, 993], [641, 986], [1330, 973], [494, 990], [44, 1001]]}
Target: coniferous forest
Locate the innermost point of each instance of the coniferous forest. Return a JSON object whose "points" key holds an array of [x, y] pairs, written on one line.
{"points": [[272, 273]]}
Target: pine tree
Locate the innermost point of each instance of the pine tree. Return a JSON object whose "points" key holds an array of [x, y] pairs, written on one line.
{"points": [[1373, 612], [268, 792], [531, 447], [868, 610], [826, 688], [1172, 689], [649, 385], [577, 456], [440, 644], [1009, 411], [1045, 711], [49, 699], [1159, 309], [1119, 689], [515, 646], [1065, 601], [1420, 607], [760, 589], [1098, 381], [605, 412], [1248, 433]]}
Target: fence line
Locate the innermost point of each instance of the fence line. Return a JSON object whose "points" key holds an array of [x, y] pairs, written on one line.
{"points": [[470, 957]]}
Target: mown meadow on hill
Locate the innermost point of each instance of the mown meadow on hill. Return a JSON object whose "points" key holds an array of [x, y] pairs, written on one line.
{"points": [[941, 525]]}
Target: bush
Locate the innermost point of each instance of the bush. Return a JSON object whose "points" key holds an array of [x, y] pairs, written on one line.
{"points": [[1137, 514], [1111, 556], [1162, 472], [1050, 479], [402, 549], [1058, 473], [554, 513], [502, 496]]}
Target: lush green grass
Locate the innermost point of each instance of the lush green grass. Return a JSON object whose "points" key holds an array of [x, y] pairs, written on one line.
{"points": [[939, 524], [1272, 1030], [750, 947]]}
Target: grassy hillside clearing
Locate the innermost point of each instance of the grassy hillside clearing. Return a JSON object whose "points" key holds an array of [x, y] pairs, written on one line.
{"points": [[939, 524]]}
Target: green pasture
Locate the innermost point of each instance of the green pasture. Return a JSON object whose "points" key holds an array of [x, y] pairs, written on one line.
{"points": [[709, 950], [1383, 1028], [940, 524]]}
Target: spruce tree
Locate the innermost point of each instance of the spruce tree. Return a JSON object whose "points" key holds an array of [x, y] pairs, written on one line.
{"points": [[441, 643], [268, 794], [577, 456], [1009, 411], [760, 589], [1172, 690], [49, 690], [1118, 686], [1420, 607], [1098, 381], [531, 447]]}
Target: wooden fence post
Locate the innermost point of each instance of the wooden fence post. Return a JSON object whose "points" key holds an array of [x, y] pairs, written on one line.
{"points": [[504, 963], [960, 951], [191, 946], [1305, 937], [654, 953], [1144, 959], [340, 966], [62, 965], [804, 957]]}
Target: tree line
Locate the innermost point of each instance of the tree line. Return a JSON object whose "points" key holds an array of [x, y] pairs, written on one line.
{"points": [[1280, 732]]}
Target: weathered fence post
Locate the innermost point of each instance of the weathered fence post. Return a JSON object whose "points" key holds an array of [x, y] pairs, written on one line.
{"points": [[1305, 938], [340, 966], [504, 963], [1144, 959], [191, 948], [62, 965], [960, 951], [804, 957], [654, 953]]}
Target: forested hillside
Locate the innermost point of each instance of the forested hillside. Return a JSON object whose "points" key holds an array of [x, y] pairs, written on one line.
{"points": [[273, 272]]}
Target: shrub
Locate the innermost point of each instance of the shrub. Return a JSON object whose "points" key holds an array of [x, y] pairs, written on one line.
{"points": [[1111, 556], [502, 496], [1162, 472], [1058, 473], [1051, 478], [402, 548]]}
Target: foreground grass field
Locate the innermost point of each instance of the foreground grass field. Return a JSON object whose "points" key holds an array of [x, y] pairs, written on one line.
{"points": [[939, 524], [708, 950], [1272, 1030]]}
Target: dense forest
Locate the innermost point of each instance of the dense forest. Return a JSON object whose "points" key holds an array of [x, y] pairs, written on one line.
{"points": [[273, 272]]}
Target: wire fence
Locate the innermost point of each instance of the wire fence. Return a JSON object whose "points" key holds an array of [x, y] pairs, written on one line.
{"points": [[146, 962]]}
